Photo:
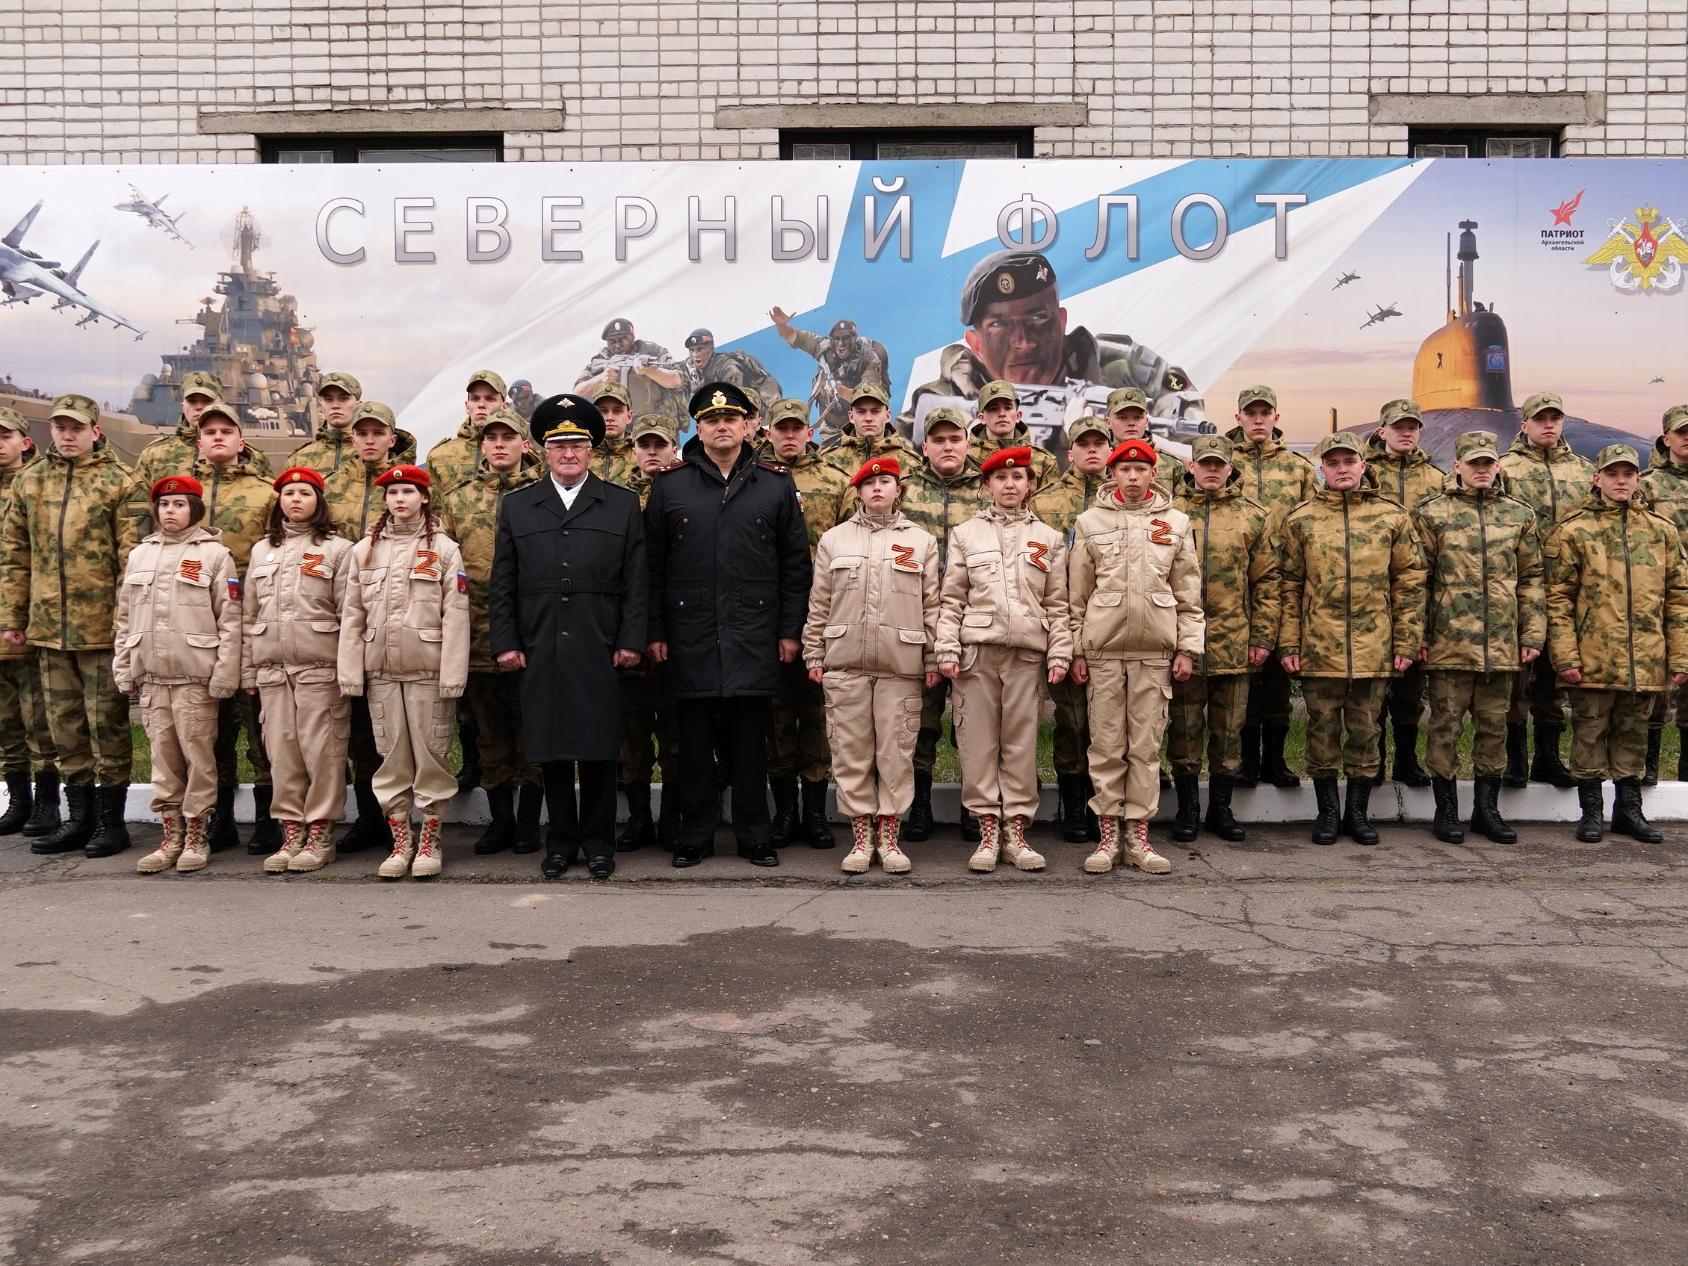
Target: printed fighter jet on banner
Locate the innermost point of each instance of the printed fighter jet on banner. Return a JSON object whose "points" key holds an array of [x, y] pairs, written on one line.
{"points": [[24, 275], [1382, 314], [154, 214]]}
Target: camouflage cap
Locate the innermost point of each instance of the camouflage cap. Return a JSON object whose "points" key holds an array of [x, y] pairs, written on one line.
{"points": [[1476, 445], [1543, 400], [351, 386], [1004, 275], [12, 420], [506, 417], [871, 391], [1256, 395], [490, 378], [788, 409], [220, 409], [1676, 417], [613, 391], [81, 408], [654, 424], [1211, 446], [1342, 439], [755, 398], [1127, 398], [200, 383], [1396, 410], [375, 411], [943, 415], [1089, 424], [1616, 455], [998, 389]]}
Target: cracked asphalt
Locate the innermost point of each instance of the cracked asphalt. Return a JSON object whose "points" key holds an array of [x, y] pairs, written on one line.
{"points": [[1279, 1053]]}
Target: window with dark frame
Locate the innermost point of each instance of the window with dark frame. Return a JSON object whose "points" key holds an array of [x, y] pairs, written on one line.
{"points": [[1482, 142], [397, 147], [871, 145]]}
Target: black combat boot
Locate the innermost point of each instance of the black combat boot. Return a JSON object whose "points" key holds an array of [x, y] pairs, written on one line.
{"points": [[266, 831], [1092, 823], [1074, 828], [78, 826], [1165, 779], [1648, 779], [1591, 827], [1248, 767], [1485, 812], [918, 824], [1328, 820], [224, 833], [45, 819], [1681, 763], [640, 828], [1382, 775], [816, 830], [782, 827], [1186, 822], [20, 803], [111, 834], [1547, 767], [969, 826], [469, 739], [1445, 826], [1627, 817], [500, 833], [1517, 756], [529, 801], [1354, 821], [1219, 820], [1407, 770], [1272, 766], [371, 829]]}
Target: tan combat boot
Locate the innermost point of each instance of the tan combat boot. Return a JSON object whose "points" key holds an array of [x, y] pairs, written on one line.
{"points": [[1016, 850], [430, 857], [317, 850], [397, 865], [1102, 859], [292, 840], [169, 848], [196, 845], [860, 856], [892, 859], [990, 844], [1140, 853]]}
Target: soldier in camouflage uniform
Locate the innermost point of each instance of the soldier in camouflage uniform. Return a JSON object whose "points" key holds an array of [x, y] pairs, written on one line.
{"points": [[71, 522], [1240, 595], [1353, 617], [999, 426], [1406, 475], [172, 454], [1617, 632], [643, 369], [1665, 489], [798, 754], [1128, 419], [1485, 620], [845, 360], [613, 460], [867, 433], [1279, 480], [457, 459], [338, 396], [704, 364], [25, 741], [1543, 472]]}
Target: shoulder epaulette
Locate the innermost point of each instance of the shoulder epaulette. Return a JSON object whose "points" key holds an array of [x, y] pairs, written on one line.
{"points": [[676, 465], [779, 468]]}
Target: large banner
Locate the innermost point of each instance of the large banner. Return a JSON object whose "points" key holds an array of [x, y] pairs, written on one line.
{"points": [[1342, 283]]}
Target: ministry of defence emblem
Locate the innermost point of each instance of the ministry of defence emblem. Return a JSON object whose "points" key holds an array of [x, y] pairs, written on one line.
{"points": [[1642, 256]]}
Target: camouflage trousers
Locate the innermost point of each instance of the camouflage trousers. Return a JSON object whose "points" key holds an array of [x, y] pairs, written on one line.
{"points": [[1342, 725], [931, 725], [1609, 733], [88, 718], [1216, 705], [24, 737], [797, 744], [1536, 695], [1268, 694], [1072, 728], [495, 702], [1668, 702], [234, 716], [649, 728], [1403, 702], [1486, 696]]}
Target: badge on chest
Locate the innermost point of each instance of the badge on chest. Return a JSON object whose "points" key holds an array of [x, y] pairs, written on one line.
{"points": [[1160, 532], [311, 565], [903, 559], [192, 569], [426, 564], [1037, 554]]}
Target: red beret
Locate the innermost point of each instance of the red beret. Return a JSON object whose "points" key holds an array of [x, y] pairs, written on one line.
{"points": [[1008, 459], [1132, 451], [876, 466], [414, 475], [177, 486], [298, 475]]}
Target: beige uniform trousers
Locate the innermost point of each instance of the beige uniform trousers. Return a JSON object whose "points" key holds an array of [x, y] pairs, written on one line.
{"points": [[871, 724], [181, 726], [306, 725], [1128, 701], [413, 734], [998, 703]]}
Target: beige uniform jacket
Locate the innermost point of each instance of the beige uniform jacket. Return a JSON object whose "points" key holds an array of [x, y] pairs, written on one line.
{"points": [[873, 604], [294, 594], [406, 616], [1006, 585], [1135, 582], [178, 615]]}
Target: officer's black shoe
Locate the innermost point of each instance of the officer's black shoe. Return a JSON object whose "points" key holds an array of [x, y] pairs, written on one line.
{"points": [[969, 826], [1485, 812], [1681, 764], [782, 827], [111, 834], [1649, 779], [918, 824], [554, 865], [640, 828], [1517, 756], [600, 867], [1186, 822], [1547, 767], [224, 833], [371, 829], [500, 833], [1219, 820], [1591, 827], [1354, 820], [266, 831], [45, 819], [20, 803], [77, 827], [668, 822], [1074, 827], [1248, 768], [1627, 817], [760, 855], [529, 801], [1381, 776], [1445, 825], [1407, 770], [1272, 766], [1327, 822], [816, 830]]}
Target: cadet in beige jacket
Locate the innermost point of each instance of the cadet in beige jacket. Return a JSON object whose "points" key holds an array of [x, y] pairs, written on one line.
{"points": [[1003, 634], [868, 643], [177, 646], [295, 588], [1137, 627], [405, 631]]}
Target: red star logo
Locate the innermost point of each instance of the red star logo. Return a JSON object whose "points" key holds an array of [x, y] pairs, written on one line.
{"points": [[1565, 210]]}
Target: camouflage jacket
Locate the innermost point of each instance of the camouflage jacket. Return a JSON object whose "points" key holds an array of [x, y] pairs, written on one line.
{"points": [[1485, 598], [847, 453], [331, 449], [1045, 469], [646, 395], [1553, 482], [237, 505], [454, 460], [1061, 502], [7, 650], [1617, 597], [469, 516], [863, 364], [353, 499], [739, 368], [934, 503], [175, 454], [1666, 488], [1169, 467], [1273, 476], [823, 488], [67, 535], [1406, 478], [613, 461], [1353, 585], [1240, 581]]}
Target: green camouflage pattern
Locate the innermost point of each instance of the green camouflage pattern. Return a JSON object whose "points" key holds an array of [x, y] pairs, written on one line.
{"points": [[1070, 741], [847, 453], [494, 699], [175, 454], [614, 461], [1665, 488], [1272, 475], [1554, 482], [1486, 696], [1216, 707], [469, 516], [7, 650], [1609, 734], [331, 449], [1045, 469], [1240, 581], [25, 739], [823, 488], [237, 505], [1405, 478], [934, 504], [453, 460], [87, 717], [1343, 724], [354, 501], [797, 741], [865, 363], [1060, 502], [1485, 594]]}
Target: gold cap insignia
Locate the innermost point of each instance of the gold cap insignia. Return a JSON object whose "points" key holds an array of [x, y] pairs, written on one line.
{"points": [[1005, 283], [719, 399]]}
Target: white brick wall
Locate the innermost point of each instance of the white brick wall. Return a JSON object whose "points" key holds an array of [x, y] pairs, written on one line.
{"points": [[125, 80]]}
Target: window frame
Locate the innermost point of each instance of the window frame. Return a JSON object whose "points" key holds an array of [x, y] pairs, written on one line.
{"points": [[864, 142], [347, 144], [1476, 138]]}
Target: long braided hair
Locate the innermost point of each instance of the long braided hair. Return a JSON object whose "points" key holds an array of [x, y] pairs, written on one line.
{"points": [[430, 520]]}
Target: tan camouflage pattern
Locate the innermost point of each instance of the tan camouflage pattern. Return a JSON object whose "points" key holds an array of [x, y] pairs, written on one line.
{"points": [[175, 454], [353, 499], [1608, 734], [453, 460], [1485, 596], [7, 650], [1486, 696], [1665, 488], [1405, 478], [331, 449], [847, 452], [237, 504], [87, 717], [1216, 706], [1272, 475], [25, 739], [614, 461], [1343, 725], [1060, 502], [823, 488], [1240, 581], [935, 504], [469, 516], [1045, 469], [1554, 482]]}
